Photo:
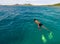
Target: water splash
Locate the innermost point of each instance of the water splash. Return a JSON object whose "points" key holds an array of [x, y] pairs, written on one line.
{"points": [[50, 35], [44, 39]]}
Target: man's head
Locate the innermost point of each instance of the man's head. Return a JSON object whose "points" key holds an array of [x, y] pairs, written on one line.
{"points": [[35, 19]]}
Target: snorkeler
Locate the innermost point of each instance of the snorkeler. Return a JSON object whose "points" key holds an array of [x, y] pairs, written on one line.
{"points": [[40, 24]]}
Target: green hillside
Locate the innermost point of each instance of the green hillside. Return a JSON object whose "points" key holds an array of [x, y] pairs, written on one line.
{"points": [[57, 4]]}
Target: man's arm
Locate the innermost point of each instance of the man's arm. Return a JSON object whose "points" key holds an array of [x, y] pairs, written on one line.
{"points": [[38, 26]]}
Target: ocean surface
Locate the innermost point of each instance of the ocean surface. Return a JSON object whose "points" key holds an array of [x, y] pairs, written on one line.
{"points": [[17, 25]]}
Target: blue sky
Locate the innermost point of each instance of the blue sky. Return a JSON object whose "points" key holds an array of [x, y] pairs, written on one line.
{"points": [[35, 2]]}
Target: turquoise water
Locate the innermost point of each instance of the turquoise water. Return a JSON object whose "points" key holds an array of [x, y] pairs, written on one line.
{"points": [[17, 25]]}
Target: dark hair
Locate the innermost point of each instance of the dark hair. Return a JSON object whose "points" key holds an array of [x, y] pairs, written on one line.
{"points": [[35, 19]]}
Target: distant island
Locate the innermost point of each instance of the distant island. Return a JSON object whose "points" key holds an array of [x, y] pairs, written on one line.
{"points": [[28, 4], [22, 5]]}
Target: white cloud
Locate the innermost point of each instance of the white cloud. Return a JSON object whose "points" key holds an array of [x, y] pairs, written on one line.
{"points": [[29, 1]]}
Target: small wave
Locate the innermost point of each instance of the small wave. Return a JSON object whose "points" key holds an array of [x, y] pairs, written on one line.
{"points": [[3, 17], [47, 20], [9, 24]]}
